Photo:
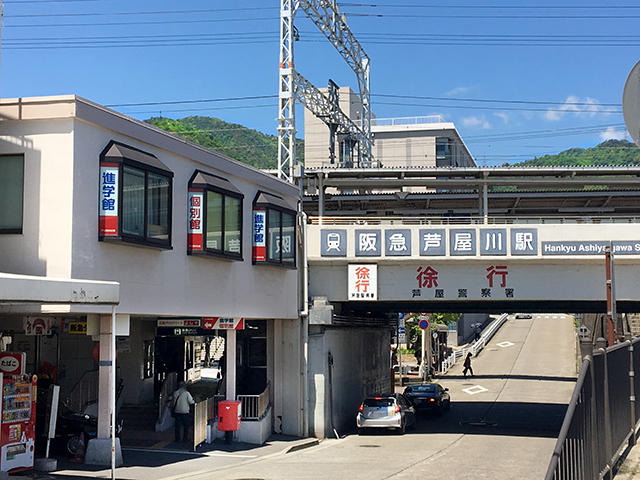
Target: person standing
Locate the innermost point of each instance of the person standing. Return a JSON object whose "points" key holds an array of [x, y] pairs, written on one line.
{"points": [[467, 365], [182, 401]]}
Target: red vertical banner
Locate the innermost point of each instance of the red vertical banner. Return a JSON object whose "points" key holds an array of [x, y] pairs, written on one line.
{"points": [[108, 200], [195, 225], [259, 235]]}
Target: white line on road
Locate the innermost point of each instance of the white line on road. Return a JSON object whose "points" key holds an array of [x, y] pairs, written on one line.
{"points": [[505, 344], [475, 389]]}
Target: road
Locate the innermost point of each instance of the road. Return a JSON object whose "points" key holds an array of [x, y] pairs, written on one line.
{"points": [[503, 424]]}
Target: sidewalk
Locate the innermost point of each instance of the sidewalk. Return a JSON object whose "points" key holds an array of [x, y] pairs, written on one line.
{"points": [[174, 460], [630, 467]]}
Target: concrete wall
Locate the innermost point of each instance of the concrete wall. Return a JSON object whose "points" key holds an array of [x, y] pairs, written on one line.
{"points": [[284, 370], [360, 368]]}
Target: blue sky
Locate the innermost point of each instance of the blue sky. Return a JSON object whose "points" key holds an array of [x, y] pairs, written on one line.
{"points": [[519, 79]]}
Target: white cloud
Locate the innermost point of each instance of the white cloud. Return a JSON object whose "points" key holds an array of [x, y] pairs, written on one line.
{"points": [[612, 134], [587, 107], [476, 122], [503, 116], [457, 91]]}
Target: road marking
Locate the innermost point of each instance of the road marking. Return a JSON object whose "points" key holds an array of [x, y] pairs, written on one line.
{"points": [[505, 344], [475, 389]]}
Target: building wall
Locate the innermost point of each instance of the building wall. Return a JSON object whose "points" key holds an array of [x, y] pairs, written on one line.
{"points": [[60, 235], [411, 144], [44, 248], [361, 365]]}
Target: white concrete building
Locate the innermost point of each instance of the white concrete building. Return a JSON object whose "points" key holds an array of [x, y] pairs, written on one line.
{"points": [[189, 234], [398, 142]]}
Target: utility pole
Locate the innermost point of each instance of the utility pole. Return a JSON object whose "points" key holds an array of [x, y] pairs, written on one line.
{"points": [[293, 86], [611, 297]]}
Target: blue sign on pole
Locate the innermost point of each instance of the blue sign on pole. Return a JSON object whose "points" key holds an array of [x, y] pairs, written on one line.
{"points": [[423, 324]]}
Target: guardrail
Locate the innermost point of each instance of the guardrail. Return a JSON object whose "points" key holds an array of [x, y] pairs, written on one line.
{"points": [[383, 122], [471, 220], [601, 420], [204, 413], [486, 335], [255, 406]]}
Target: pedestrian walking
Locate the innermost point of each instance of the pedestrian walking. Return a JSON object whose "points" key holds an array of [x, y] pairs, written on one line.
{"points": [[182, 400], [467, 365]]}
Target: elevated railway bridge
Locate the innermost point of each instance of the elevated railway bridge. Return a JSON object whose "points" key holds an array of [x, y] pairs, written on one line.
{"points": [[483, 240]]}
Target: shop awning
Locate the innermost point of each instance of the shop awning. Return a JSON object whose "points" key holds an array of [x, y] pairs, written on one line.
{"points": [[32, 289]]}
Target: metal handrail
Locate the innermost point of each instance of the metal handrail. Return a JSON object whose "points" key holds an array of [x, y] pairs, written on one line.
{"points": [[470, 220], [475, 347], [169, 385], [84, 392], [254, 407], [566, 424]]}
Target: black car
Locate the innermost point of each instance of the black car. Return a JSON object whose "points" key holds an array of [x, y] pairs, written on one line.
{"points": [[429, 396]]}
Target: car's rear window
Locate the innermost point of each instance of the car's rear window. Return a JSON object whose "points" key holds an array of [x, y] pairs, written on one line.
{"points": [[422, 389], [379, 402]]}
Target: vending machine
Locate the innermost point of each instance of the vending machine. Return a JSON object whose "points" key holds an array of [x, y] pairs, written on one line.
{"points": [[17, 434]]}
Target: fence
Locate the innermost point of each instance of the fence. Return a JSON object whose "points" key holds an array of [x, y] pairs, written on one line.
{"points": [[476, 346], [204, 412], [255, 406], [601, 418]]}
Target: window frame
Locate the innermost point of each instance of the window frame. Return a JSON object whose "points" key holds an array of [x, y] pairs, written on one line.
{"points": [[206, 183], [119, 156], [19, 230], [271, 205]]}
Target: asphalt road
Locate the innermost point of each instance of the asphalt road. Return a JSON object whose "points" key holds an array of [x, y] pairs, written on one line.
{"points": [[503, 424]]}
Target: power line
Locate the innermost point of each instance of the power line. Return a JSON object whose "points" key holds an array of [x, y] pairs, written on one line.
{"points": [[136, 23], [479, 100], [472, 107], [114, 14]]}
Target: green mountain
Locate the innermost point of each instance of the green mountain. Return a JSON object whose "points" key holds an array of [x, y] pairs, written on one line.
{"points": [[235, 141], [611, 152]]}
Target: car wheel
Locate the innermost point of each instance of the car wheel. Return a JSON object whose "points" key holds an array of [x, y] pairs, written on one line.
{"points": [[72, 444], [448, 405], [403, 427], [361, 431]]}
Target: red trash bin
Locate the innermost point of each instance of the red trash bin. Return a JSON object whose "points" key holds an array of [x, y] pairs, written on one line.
{"points": [[229, 414]]}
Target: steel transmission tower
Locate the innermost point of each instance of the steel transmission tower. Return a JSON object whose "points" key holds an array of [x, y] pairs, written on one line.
{"points": [[293, 86]]}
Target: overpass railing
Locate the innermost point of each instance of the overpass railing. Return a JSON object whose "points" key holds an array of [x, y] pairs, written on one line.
{"points": [[486, 335], [471, 220], [601, 420]]}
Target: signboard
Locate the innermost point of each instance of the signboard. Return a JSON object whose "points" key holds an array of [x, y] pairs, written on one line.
{"points": [[179, 322], [397, 242], [363, 282], [223, 323], [108, 224], [77, 328], [402, 337], [424, 324], [259, 242], [368, 243], [583, 331], [333, 243], [38, 325], [196, 224], [13, 363], [625, 247]]}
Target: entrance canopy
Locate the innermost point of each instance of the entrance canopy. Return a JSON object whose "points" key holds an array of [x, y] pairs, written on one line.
{"points": [[32, 289]]}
